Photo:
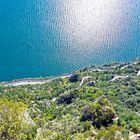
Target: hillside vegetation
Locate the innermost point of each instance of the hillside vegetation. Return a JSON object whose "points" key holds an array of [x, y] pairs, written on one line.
{"points": [[96, 103]]}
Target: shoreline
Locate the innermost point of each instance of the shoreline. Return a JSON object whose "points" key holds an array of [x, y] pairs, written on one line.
{"points": [[43, 80], [31, 81]]}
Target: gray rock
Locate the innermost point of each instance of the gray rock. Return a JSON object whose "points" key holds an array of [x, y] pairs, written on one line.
{"points": [[91, 83]]}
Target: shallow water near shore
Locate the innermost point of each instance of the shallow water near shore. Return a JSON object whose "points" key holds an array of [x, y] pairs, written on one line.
{"points": [[52, 37]]}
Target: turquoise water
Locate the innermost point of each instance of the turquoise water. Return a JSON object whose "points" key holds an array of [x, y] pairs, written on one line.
{"points": [[52, 37]]}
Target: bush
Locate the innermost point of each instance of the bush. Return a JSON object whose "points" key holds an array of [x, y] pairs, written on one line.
{"points": [[111, 133], [66, 98], [130, 121], [13, 123], [100, 113]]}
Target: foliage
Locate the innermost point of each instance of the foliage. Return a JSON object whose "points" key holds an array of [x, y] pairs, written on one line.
{"points": [[111, 133], [66, 98], [100, 113], [130, 121], [12, 121], [63, 110]]}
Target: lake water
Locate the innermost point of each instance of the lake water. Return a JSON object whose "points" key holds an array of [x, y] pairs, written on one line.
{"points": [[52, 37]]}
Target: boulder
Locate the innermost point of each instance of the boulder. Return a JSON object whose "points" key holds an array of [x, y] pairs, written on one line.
{"points": [[74, 78], [66, 98], [91, 83]]}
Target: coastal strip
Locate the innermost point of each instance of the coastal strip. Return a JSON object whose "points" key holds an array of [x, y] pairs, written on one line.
{"points": [[32, 81]]}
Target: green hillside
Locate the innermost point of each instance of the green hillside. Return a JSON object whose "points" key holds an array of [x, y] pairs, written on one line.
{"points": [[98, 102]]}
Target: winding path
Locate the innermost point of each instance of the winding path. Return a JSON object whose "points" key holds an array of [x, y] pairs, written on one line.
{"points": [[83, 80]]}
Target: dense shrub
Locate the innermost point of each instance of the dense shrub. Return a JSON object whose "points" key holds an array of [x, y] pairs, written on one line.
{"points": [[13, 122], [111, 133], [130, 121], [66, 98], [100, 113]]}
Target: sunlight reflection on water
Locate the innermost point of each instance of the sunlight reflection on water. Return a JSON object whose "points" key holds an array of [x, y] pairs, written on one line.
{"points": [[51, 37]]}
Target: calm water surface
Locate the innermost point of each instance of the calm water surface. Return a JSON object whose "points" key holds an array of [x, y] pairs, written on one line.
{"points": [[52, 37]]}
